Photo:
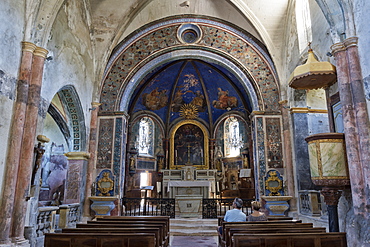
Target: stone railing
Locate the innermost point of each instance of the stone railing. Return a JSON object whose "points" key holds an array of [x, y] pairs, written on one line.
{"points": [[69, 215], [45, 223], [311, 203]]}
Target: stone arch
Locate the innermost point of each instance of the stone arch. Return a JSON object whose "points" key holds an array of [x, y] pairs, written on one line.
{"points": [[160, 38], [75, 118]]}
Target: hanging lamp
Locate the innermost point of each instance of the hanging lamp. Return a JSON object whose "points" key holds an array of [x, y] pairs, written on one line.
{"points": [[313, 74]]}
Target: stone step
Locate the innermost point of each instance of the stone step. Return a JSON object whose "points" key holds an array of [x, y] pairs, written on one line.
{"points": [[193, 227]]}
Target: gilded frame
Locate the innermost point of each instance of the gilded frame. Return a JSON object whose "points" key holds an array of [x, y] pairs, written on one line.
{"points": [[206, 145]]}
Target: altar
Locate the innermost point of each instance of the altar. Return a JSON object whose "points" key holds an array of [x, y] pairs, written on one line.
{"points": [[188, 186]]}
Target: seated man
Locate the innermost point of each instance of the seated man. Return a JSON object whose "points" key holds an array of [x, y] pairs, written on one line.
{"points": [[235, 214]]}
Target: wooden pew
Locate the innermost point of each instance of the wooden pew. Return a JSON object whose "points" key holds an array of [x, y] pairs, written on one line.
{"points": [[162, 225], [132, 225], [155, 230], [97, 239], [262, 230], [248, 225], [222, 223], [329, 239], [165, 219]]}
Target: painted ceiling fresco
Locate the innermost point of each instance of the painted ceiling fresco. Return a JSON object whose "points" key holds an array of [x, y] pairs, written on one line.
{"points": [[209, 88]]}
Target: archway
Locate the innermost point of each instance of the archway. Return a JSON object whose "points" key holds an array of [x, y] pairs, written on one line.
{"points": [[242, 61]]}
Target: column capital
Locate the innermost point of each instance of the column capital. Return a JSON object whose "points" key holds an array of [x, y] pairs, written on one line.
{"points": [[95, 104], [331, 195], [77, 156], [28, 46], [40, 52], [352, 41], [337, 47]]}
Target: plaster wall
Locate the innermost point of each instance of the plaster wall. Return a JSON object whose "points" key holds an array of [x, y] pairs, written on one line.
{"points": [[52, 131], [71, 60], [362, 19], [10, 54], [216, 8]]}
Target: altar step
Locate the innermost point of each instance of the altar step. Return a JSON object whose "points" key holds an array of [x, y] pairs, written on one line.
{"points": [[193, 227]]}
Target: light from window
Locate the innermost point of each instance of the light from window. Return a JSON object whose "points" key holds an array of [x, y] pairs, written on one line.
{"points": [[232, 137], [146, 134], [304, 29]]}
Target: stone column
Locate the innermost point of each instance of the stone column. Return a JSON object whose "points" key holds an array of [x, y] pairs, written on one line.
{"points": [[350, 128], [28, 142], [74, 187], [91, 161], [360, 108], [289, 171], [15, 141], [331, 198]]}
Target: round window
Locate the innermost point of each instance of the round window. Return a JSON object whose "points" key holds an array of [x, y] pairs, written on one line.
{"points": [[189, 33]]}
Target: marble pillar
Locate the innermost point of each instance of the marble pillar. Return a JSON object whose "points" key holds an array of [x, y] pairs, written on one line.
{"points": [[350, 128], [360, 107], [27, 149], [289, 171], [75, 184], [92, 149], [15, 141]]}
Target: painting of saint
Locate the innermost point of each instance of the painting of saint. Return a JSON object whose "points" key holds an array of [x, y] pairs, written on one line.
{"points": [[224, 100], [155, 100], [189, 145]]}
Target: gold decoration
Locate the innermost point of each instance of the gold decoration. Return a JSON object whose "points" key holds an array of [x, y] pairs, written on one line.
{"points": [[313, 74], [188, 111], [274, 184], [172, 144], [105, 184]]}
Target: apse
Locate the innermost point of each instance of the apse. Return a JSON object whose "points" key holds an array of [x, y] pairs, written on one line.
{"points": [[190, 86]]}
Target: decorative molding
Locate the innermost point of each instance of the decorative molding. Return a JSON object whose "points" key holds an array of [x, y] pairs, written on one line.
{"points": [[77, 155], [306, 110]]}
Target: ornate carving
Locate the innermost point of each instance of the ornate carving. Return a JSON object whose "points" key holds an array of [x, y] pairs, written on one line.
{"points": [[188, 111], [331, 195], [105, 184], [273, 183]]}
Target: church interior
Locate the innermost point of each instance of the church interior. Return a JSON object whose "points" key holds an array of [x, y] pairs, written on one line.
{"points": [[184, 105]]}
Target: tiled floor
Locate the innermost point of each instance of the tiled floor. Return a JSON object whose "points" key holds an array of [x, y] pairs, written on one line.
{"points": [[193, 241]]}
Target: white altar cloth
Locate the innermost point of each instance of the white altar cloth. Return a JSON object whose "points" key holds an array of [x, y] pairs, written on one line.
{"points": [[189, 184]]}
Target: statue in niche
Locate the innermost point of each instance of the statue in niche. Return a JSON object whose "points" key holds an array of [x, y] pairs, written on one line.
{"points": [[132, 163]]}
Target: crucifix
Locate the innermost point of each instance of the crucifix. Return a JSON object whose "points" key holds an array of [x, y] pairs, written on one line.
{"points": [[189, 153]]}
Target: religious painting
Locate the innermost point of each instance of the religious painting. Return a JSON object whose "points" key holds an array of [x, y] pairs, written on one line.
{"points": [[155, 100], [224, 100], [189, 145], [189, 142]]}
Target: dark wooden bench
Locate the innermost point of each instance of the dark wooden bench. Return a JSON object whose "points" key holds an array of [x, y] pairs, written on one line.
{"points": [[163, 225], [163, 238], [155, 230], [99, 239], [221, 223], [248, 225], [329, 239], [165, 219], [231, 231]]}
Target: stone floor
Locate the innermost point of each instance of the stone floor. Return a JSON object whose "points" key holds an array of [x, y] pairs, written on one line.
{"points": [[193, 232], [193, 241]]}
